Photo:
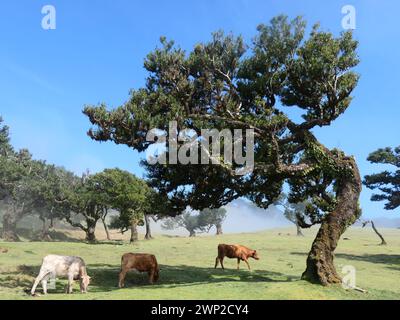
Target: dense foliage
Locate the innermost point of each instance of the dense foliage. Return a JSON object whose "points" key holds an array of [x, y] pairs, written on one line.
{"points": [[388, 181], [197, 223]]}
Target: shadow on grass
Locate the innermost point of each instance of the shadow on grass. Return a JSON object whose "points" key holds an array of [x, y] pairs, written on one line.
{"points": [[106, 279], [34, 236], [23, 277], [390, 259]]}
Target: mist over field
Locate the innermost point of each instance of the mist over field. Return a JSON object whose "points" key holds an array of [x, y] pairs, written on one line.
{"points": [[242, 216]]}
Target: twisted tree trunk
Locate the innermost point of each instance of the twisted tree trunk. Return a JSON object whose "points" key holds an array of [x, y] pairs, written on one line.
{"points": [[9, 232], [148, 235], [134, 231], [90, 230], [103, 220], [320, 267], [299, 232], [45, 235], [192, 233], [219, 229], [383, 242]]}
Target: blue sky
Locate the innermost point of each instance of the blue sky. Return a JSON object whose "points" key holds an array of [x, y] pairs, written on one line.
{"points": [[96, 55]]}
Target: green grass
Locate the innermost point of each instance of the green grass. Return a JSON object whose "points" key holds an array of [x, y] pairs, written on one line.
{"points": [[187, 268]]}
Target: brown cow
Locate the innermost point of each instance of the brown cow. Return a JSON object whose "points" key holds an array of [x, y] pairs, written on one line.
{"points": [[142, 262], [235, 251]]}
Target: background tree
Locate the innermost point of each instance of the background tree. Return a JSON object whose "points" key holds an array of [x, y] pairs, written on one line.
{"points": [[224, 84], [187, 220], [364, 223], [28, 187], [209, 218], [25, 180], [153, 210], [128, 195], [51, 190], [5, 150], [294, 212], [88, 202], [148, 234], [386, 182]]}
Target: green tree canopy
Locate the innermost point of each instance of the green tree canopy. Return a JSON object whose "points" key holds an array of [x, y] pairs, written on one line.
{"points": [[130, 196], [209, 218], [386, 182], [186, 220]]}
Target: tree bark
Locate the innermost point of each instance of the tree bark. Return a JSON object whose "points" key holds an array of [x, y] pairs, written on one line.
{"points": [[45, 235], [320, 267], [192, 233], [134, 231], [219, 229], [9, 232], [299, 232], [148, 235], [106, 229], [90, 230]]}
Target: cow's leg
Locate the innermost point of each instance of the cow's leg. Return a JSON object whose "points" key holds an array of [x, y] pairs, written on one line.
{"points": [[238, 263], [221, 260], [44, 285], [151, 276], [70, 283], [45, 279], [39, 278], [248, 266], [121, 282], [216, 262]]}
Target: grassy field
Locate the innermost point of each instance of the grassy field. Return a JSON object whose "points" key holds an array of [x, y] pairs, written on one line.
{"points": [[187, 267]]}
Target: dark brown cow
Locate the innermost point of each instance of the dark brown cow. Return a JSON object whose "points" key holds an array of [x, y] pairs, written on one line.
{"points": [[142, 262], [235, 251]]}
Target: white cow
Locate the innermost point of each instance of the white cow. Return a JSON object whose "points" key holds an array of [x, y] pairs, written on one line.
{"points": [[74, 268]]}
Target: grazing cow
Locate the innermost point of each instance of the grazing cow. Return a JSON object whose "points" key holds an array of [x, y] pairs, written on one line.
{"points": [[74, 268], [235, 251], [142, 262]]}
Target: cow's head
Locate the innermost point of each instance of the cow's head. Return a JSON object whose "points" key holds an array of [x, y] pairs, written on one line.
{"points": [[255, 255], [85, 281]]}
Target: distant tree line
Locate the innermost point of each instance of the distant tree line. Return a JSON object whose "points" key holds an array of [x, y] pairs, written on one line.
{"points": [[34, 187], [197, 223], [30, 187]]}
